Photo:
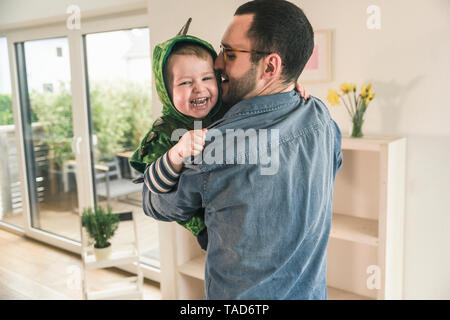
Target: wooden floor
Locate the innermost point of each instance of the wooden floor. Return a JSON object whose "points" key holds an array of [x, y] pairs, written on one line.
{"points": [[33, 270], [60, 217]]}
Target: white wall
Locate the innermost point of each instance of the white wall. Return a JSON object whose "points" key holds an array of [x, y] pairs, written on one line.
{"points": [[407, 61], [14, 11]]}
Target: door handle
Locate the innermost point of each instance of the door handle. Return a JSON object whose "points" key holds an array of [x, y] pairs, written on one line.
{"points": [[76, 144]]}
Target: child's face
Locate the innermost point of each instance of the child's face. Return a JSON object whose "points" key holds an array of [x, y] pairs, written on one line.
{"points": [[194, 86]]}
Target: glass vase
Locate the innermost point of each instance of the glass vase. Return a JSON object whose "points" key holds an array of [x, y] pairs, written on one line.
{"points": [[357, 121]]}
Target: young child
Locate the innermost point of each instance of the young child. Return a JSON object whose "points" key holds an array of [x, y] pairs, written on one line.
{"points": [[188, 88]]}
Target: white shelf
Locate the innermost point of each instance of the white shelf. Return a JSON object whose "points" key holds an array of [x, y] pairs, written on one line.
{"points": [[344, 227], [368, 222], [117, 258], [122, 253], [194, 268], [338, 294], [367, 143], [355, 229]]}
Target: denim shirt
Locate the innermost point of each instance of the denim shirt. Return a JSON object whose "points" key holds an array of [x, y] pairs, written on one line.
{"points": [[268, 233]]}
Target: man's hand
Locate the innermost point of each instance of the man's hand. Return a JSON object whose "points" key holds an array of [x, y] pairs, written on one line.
{"points": [[190, 144], [303, 93]]}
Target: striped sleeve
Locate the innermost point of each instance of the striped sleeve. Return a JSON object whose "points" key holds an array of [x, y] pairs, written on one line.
{"points": [[160, 176]]}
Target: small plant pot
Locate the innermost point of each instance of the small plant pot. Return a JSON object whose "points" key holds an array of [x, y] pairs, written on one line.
{"points": [[102, 253]]}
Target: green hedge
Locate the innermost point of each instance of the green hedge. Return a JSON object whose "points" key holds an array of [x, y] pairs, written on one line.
{"points": [[120, 113], [6, 115]]}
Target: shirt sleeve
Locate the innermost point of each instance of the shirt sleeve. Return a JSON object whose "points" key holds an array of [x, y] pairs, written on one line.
{"points": [[160, 176], [185, 200]]}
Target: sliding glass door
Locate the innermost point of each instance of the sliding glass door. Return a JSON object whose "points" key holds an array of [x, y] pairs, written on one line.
{"points": [[83, 105], [46, 106], [119, 92], [11, 208]]}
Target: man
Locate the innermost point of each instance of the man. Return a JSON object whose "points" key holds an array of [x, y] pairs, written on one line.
{"points": [[268, 231]]}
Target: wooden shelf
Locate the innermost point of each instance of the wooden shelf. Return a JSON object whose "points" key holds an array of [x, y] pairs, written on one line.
{"points": [[117, 258], [122, 253], [355, 229], [338, 294], [344, 227], [366, 143], [194, 268], [366, 229]]}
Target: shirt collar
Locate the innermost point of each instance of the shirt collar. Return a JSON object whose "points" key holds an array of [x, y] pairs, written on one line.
{"points": [[261, 104]]}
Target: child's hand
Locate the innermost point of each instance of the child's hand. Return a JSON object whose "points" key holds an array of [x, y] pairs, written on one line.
{"points": [[190, 144], [303, 93]]}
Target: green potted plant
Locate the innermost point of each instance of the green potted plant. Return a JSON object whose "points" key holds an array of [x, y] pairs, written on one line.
{"points": [[101, 226]]}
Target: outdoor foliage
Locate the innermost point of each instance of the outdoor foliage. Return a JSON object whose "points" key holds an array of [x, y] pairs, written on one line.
{"points": [[100, 225], [120, 118], [54, 112], [6, 114]]}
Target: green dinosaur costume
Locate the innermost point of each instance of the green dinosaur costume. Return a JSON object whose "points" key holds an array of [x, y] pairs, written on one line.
{"points": [[157, 141]]}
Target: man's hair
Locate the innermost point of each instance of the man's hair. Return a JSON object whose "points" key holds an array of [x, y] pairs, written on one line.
{"points": [[183, 49], [280, 27]]}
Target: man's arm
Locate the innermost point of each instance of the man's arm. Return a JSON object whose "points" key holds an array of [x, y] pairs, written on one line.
{"points": [[180, 204]]}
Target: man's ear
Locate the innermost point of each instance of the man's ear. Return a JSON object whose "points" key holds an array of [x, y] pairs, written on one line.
{"points": [[272, 66]]}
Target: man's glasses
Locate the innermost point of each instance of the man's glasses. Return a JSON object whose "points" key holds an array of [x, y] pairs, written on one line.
{"points": [[226, 52]]}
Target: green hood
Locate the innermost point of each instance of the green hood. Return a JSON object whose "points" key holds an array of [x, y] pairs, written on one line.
{"points": [[158, 141], [160, 55]]}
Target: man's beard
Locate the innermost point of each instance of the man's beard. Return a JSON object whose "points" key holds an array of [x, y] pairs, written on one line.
{"points": [[238, 88]]}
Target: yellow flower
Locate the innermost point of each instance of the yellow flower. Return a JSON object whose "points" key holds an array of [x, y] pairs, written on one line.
{"points": [[363, 91], [333, 97], [347, 87], [366, 90], [369, 97]]}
